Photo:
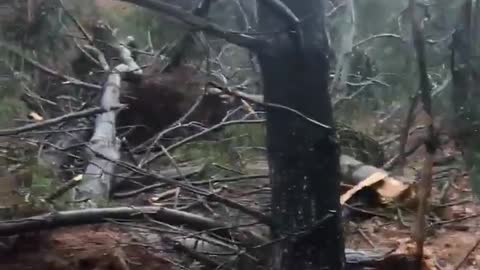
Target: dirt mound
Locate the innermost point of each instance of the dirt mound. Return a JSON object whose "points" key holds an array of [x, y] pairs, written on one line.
{"points": [[81, 248]]}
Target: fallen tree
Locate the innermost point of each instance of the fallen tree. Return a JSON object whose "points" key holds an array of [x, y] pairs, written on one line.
{"points": [[96, 185], [245, 238]]}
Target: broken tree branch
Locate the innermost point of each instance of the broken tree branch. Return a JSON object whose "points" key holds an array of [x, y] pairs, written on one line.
{"points": [[190, 188], [76, 22]]}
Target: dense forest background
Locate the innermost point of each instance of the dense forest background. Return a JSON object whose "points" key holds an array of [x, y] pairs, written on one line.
{"points": [[200, 177]]}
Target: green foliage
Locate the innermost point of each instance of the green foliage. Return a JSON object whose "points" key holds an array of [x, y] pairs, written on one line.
{"points": [[43, 178], [11, 108]]}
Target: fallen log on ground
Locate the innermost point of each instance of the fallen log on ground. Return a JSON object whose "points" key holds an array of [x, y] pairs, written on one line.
{"points": [[96, 186], [198, 223], [50, 221], [99, 215], [354, 171], [363, 175]]}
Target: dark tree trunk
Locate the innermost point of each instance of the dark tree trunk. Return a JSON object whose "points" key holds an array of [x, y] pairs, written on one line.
{"points": [[303, 157], [465, 96]]}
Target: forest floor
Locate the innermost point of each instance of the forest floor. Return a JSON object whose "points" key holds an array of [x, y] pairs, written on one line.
{"points": [[452, 240], [453, 234]]}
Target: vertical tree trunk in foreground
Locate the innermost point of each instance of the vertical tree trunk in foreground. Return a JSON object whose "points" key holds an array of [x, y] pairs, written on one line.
{"points": [[465, 95], [303, 157]]}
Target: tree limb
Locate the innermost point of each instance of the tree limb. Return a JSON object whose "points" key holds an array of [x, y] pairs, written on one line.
{"points": [[198, 23], [97, 185], [57, 120], [99, 215], [187, 40], [49, 71]]}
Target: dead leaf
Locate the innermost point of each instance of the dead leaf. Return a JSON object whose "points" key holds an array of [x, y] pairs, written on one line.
{"points": [[35, 116]]}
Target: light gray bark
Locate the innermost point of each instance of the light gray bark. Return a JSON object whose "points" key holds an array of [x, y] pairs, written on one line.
{"points": [[104, 145]]}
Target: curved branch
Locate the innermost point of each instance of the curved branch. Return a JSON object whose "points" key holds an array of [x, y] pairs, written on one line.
{"points": [[198, 23], [57, 120], [383, 35]]}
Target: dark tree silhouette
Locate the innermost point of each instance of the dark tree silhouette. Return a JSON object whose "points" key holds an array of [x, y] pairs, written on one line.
{"points": [[465, 95], [303, 157]]}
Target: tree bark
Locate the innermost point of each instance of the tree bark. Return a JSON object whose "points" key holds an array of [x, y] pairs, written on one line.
{"points": [[95, 188], [303, 158], [465, 97]]}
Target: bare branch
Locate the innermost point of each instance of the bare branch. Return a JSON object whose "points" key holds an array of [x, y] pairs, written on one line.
{"points": [[65, 187], [76, 22], [49, 71], [88, 216], [199, 135], [384, 35], [53, 121], [256, 99], [198, 23]]}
